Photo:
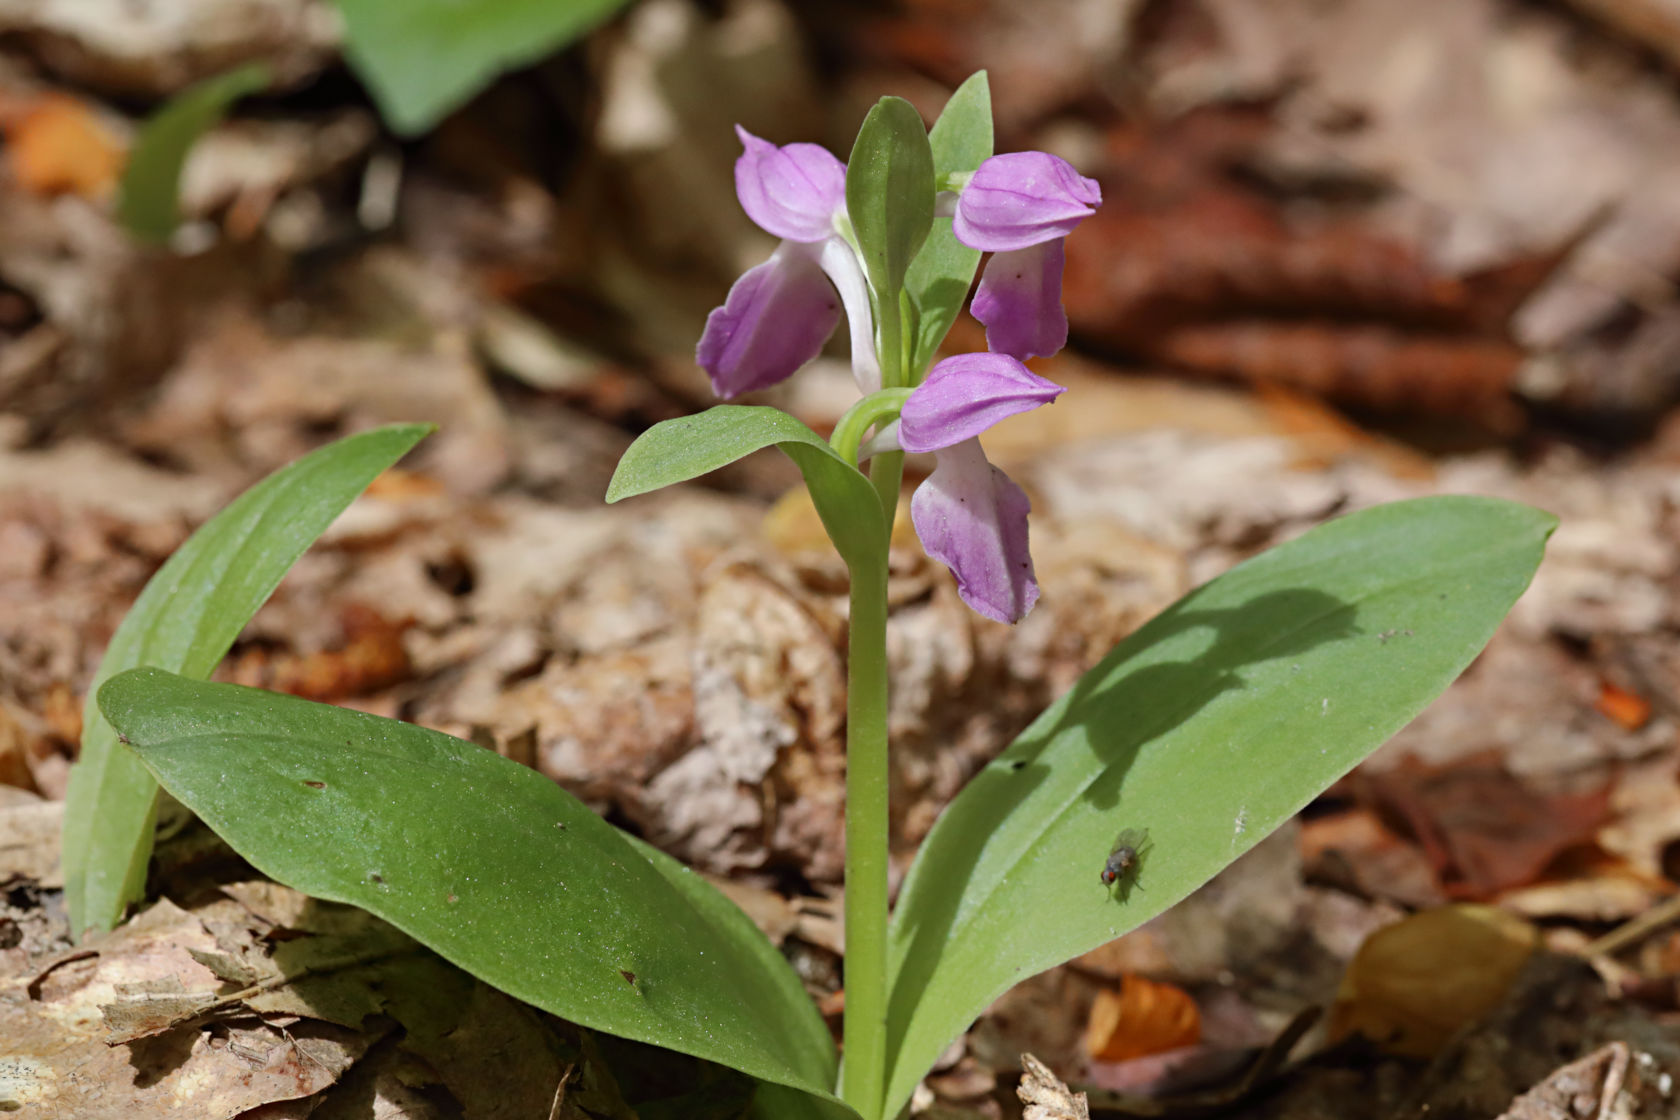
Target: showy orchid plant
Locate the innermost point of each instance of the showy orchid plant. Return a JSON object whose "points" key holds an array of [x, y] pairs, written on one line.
{"points": [[1187, 744], [969, 515]]}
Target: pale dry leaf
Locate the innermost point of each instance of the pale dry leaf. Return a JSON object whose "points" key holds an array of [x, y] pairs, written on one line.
{"points": [[152, 50], [1045, 1097], [150, 1007], [57, 1048], [1592, 1088], [29, 834]]}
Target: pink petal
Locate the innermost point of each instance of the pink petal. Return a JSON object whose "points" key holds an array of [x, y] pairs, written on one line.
{"points": [[777, 317], [1020, 199], [966, 394], [792, 192], [1020, 301], [973, 519]]}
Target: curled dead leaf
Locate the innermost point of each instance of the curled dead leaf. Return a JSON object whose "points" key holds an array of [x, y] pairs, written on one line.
{"points": [[1140, 1018]]}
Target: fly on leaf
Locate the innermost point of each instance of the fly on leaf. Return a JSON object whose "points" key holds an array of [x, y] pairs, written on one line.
{"points": [[1125, 859]]}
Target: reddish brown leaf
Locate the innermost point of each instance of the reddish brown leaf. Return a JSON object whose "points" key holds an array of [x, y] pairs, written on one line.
{"points": [[373, 657], [1482, 827], [1370, 366]]}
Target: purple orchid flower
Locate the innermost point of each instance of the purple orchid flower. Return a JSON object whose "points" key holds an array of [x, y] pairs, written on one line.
{"points": [[1019, 207], [779, 314], [969, 515]]}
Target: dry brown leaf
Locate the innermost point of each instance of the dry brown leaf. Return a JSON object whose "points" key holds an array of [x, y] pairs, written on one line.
{"points": [[150, 1007], [1356, 850], [1628, 709], [29, 841], [17, 747], [1484, 829], [153, 50], [56, 1039], [1415, 984], [372, 658], [58, 144]]}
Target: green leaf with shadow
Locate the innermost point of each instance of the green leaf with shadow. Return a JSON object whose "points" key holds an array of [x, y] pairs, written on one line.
{"points": [[1210, 726]]}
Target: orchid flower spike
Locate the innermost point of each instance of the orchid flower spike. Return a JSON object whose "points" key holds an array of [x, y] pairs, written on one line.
{"points": [[1019, 207], [779, 314], [969, 515]]}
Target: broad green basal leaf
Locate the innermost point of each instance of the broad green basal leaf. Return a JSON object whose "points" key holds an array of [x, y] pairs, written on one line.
{"points": [[889, 192], [675, 451], [423, 58], [488, 863], [185, 620], [149, 204], [939, 277], [1208, 727]]}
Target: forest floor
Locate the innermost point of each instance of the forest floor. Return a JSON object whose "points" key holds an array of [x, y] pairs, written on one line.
{"points": [[1349, 251]]}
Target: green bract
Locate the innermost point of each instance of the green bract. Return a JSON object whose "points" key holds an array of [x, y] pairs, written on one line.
{"points": [[889, 199], [677, 450]]}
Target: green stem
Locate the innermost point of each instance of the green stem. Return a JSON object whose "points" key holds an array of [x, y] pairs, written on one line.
{"points": [[891, 341], [886, 474], [865, 1042]]}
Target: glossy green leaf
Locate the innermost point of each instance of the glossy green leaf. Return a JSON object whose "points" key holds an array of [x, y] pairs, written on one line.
{"points": [[678, 450], [488, 863], [1209, 727], [421, 59], [940, 276], [889, 192], [149, 206], [185, 620]]}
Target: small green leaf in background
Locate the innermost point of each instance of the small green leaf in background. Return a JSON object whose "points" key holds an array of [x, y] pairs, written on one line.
{"points": [[185, 620], [488, 863], [421, 59], [149, 206], [677, 450], [939, 277], [889, 192], [1210, 727]]}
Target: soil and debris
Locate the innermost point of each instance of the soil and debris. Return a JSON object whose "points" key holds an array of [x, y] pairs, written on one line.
{"points": [[1350, 251]]}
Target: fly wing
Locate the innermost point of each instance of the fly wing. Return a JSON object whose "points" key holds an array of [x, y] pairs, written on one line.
{"points": [[1133, 838]]}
